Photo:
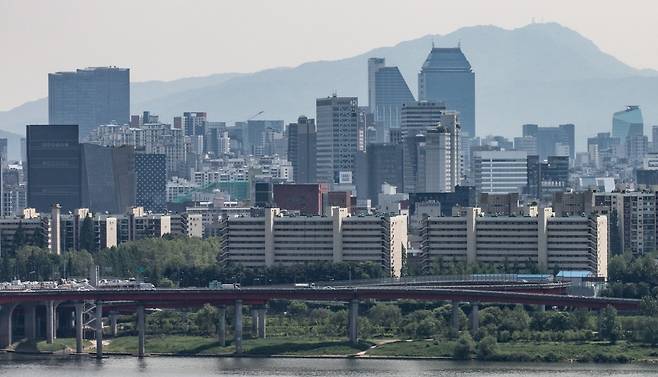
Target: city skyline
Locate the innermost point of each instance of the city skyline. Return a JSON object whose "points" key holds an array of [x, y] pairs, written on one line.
{"points": [[77, 50]]}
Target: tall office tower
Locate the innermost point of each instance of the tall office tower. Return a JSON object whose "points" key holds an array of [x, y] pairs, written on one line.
{"points": [[89, 97], [194, 123], [416, 119], [551, 140], [627, 122], [499, 171], [387, 92], [108, 178], [301, 149], [151, 181], [637, 146], [23, 150], [216, 140], [3, 151], [54, 167], [654, 139], [337, 136], [526, 144], [441, 167], [252, 135], [380, 164], [447, 76]]}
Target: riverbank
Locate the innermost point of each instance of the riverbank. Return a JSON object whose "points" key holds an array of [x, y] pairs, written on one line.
{"points": [[175, 345]]}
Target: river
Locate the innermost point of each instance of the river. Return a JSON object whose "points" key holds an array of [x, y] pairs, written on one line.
{"points": [[36, 366]]}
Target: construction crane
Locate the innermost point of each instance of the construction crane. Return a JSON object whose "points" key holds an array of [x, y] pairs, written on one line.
{"points": [[255, 115]]}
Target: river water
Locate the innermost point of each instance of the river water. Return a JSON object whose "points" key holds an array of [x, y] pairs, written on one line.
{"points": [[34, 366]]}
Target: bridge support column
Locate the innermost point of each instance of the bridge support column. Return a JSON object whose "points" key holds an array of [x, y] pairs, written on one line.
{"points": [[254, 321], [50, 321], [238, 326], [221, 326], [5, 325], [114, 327], [353, 321], [262, 321], [475, 318], [79, 314], [30, 320], [141, 330], [99, 330], [541, 308], [455, 318]]}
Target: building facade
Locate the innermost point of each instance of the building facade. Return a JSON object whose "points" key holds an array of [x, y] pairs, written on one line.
{"points": [[338, 137], [277, 239], [542, 243], [446, 76], [89, 97]]}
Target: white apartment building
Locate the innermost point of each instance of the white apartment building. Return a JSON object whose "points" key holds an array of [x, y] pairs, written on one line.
{"points": [[565, 243], [279, 239]]}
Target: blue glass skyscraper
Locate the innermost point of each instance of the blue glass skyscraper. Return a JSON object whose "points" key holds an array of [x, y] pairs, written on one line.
{"points": [[387, 92], [446, 76], [628, 122]]}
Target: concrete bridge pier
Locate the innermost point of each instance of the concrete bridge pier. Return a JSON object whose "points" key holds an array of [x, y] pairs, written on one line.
{"points": [[455, 318], [353, 321], [6, 312], [114, 327], [50, 322], [475, 318], [238, 326], [99, 330], [141, 331], [221, 325], [262, 321], [30, 321], [254, 321], [79, 325]]}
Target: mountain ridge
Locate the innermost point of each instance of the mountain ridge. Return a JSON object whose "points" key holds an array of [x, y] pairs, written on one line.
{"points": [[531, 72]]}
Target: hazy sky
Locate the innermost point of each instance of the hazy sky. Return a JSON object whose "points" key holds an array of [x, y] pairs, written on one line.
{"points": [[166, 39]]}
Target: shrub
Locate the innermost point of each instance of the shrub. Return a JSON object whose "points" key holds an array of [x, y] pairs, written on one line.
{"points": [[464, 347], [487, 348]]}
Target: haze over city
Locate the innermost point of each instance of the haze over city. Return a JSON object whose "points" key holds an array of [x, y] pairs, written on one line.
{"points": [[177, 39], [350, 189]]}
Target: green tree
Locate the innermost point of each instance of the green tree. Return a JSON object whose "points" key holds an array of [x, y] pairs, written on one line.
{"points": [[464, 347], [610, 325], [649, 331], [487, 348], [649, 306], [87, 236], [385, 315]]}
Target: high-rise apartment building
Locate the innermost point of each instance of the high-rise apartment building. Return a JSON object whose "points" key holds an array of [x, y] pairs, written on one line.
{"points": [[446, 76], [337, 136], [54, 167], [89, 97], [276, 239], [387, 92], [523, 243], [301, 149]]}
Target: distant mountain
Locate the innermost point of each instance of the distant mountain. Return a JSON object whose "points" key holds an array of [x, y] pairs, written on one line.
{"points": [[540, 73]]}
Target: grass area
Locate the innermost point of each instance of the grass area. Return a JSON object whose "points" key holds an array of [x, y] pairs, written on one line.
{"points": [[528, 351], [418, 348], [60, 344], [196, 345]]}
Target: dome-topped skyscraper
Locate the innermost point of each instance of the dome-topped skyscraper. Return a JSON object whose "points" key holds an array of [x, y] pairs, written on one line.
{"points": [[446, 76]]}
